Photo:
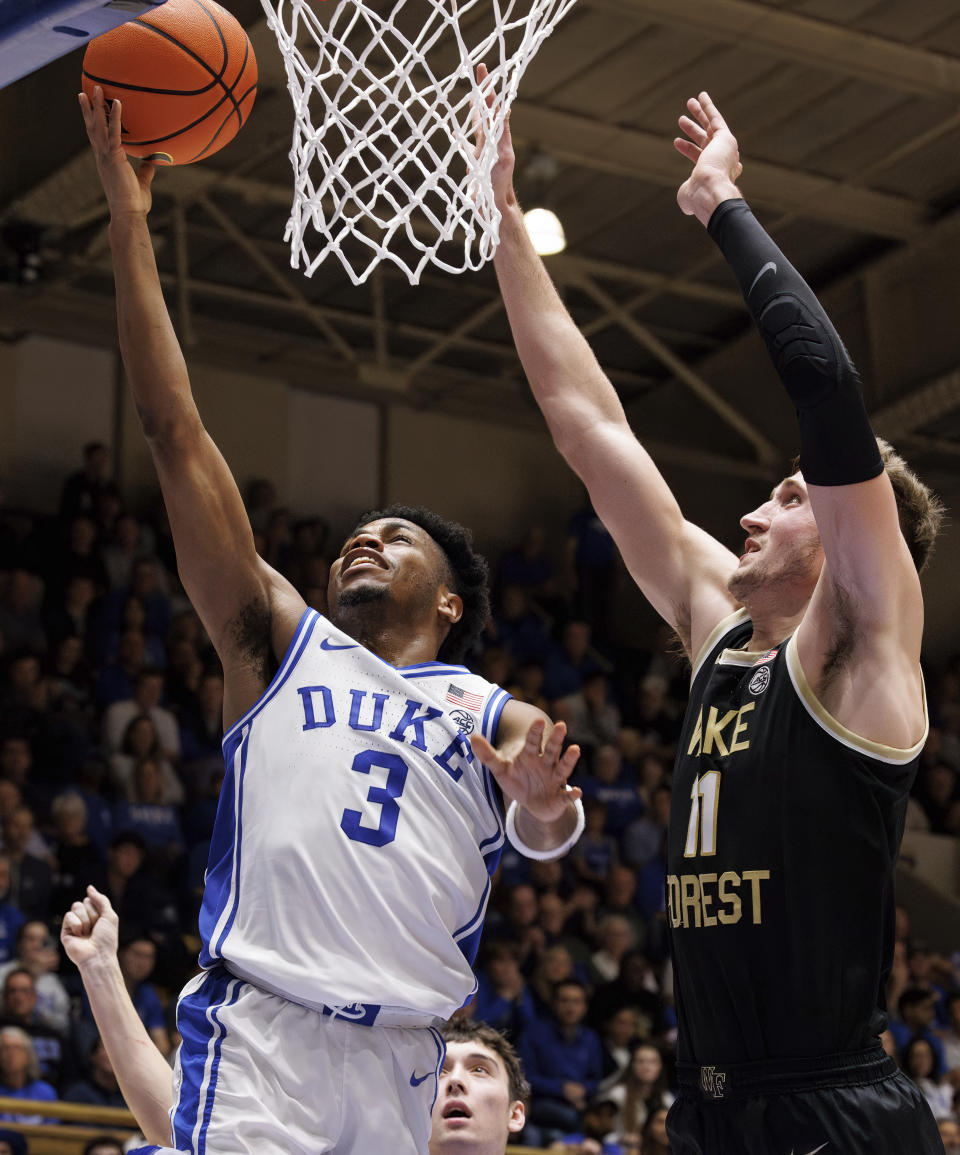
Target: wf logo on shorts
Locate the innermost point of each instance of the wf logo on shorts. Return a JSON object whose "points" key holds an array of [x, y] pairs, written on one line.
{"points": [[712, 1082]]}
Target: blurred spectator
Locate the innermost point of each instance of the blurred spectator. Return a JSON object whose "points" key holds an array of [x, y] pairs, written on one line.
{"points": [[590, 715], [570, 661], [31, 878], [118, 678], [147, 693], [140, 741], [21, 621], [100, 1088], [11, 919], [133, 617], [81, 490], [520, 629], [950, 1134], [74, 614], [145, 588], [261, 500], [527, 685], [654, 1139], [127, 545], [554, 966], [920, 1063], [591, 567], [939, 791], [642, 1091], [595, 1134], [70, 677], [616, 936], [503, 1000], [563, 1061], [20, 1074], [611, 782], [643, 838], [618, 1035], [145, 812], [79, 861], [75, 554], [103, 1145], [636, 986], [201, 722], [950, 1037], [596, 852], [917, 1008], [37, 954], [520, 922], [657, 727], [529, 568], [18, 1008]]}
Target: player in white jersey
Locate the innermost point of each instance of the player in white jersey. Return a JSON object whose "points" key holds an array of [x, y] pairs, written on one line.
{"points": [[358, 825], [482, 1094]]}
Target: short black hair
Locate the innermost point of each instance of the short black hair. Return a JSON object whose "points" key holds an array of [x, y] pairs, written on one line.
{"points": [[468, 1031], [469, 573]]}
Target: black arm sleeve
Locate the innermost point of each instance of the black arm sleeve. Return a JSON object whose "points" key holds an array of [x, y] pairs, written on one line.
{"points": [[837, 445]]}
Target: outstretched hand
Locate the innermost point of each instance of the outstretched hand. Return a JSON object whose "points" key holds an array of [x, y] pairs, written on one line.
{"points": [[127, 189], [536, 774], [501, 175], [89, 929], [712, 149]]}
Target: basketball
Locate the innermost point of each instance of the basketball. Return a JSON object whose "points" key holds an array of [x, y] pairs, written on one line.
{"points": [[185, 75]]}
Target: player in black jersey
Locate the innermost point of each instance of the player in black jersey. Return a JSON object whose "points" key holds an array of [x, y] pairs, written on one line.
{"points": [[806, 714]]}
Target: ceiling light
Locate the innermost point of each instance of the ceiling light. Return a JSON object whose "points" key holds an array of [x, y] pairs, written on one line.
{"points": [[545, 231]]}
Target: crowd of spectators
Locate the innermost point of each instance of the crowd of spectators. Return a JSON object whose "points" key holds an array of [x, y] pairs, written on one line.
{"points": [[110, 771]]}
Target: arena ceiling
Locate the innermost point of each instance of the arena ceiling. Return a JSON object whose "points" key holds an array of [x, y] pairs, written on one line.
{"points": [[848, 114]]}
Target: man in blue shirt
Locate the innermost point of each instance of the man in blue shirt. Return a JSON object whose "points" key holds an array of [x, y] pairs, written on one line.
{"points": [[563, 1060]]}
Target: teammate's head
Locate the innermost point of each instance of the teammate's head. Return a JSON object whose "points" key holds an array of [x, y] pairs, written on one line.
{"points": [[919, 509], [438, 556], [482, 1095]]}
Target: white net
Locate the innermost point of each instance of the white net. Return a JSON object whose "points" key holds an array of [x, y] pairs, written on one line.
{"points": [[386, 164]]}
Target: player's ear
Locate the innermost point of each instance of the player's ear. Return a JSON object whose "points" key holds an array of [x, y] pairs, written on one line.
{"points": [[518, 1117], [450, 607]]}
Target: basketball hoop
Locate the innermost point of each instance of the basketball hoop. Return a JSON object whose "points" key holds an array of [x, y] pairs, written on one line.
{"points": [[386, 165]]}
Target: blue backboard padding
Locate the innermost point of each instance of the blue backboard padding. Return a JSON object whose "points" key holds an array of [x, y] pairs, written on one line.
{"points": [[34, 32]]}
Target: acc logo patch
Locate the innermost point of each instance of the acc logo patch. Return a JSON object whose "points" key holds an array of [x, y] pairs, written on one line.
{"points": [[760, 680], [463, 720]]}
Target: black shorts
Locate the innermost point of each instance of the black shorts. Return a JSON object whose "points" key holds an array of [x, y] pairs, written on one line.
{"points": [[854, 1104]]}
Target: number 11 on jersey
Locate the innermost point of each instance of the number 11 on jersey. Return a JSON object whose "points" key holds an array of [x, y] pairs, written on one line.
{"points": [[702, 826]]}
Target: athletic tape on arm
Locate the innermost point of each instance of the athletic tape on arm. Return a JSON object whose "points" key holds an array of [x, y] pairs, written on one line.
{"points": [[837, 444]]}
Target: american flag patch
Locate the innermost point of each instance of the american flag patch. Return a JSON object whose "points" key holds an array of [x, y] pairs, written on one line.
{"points": [[463, 698]]}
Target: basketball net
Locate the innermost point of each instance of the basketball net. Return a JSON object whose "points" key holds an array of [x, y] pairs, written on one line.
{"points": [[385, 157]]}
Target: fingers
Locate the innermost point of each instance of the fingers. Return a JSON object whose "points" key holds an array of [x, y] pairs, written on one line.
{"points": [[554, 743], [693, 130], [714, 121], [98, 903], [484, 751], [687, 148], [71, 926]]}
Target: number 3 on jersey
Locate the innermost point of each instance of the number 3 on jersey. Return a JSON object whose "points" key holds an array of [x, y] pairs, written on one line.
{"points": [[705, 797], [385, 796]]}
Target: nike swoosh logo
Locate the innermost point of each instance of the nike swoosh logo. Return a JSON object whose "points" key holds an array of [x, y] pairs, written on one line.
{"points": [[415, 1082], [769, 267], [814, 1152], [326, 644]]}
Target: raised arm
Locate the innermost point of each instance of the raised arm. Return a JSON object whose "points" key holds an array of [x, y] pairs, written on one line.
{"points": [[89, 936], [245, 606], [859, 641], [680, 569]]}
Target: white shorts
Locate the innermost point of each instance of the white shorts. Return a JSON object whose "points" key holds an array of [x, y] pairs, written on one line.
{"points": [[258, 1074]]}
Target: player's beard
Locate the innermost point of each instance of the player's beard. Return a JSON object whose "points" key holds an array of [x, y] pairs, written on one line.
{"points": [[800, 565], [362, 595]]}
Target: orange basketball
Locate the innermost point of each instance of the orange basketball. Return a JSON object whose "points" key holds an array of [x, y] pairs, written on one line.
{"points": [[185, 75]]}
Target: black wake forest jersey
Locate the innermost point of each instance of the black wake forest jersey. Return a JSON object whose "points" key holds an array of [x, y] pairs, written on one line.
{"points": [[784, 832]]}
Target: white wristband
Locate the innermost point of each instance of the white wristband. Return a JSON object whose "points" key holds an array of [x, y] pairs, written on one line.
{"points": [[554, 851]]}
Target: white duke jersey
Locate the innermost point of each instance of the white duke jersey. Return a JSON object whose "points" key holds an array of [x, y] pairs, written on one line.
{"points": [[356, 833]]}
